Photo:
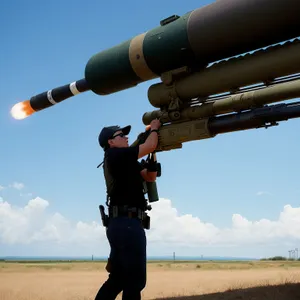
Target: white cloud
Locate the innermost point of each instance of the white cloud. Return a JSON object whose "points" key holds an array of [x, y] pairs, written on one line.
{"points": [[17, 185], [170, 226], [32, 224], [262, 193]]}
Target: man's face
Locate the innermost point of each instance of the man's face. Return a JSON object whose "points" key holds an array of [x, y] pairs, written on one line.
{"points": [[119, 140]]}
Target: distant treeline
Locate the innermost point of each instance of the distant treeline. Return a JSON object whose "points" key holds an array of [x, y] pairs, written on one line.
{"points": [[280, 258]]}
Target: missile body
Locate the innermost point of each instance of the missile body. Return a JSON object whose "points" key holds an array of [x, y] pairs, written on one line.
{"points": [[57, 95], [216, 31], [47, 99], [204, 35]]}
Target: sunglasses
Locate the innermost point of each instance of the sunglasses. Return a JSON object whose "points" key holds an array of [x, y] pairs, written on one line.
{"points": [[120, 134]]}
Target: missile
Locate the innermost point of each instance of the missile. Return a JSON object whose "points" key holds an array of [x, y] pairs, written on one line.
{"points": [[44, 100], [204, 35], [210, 33]]}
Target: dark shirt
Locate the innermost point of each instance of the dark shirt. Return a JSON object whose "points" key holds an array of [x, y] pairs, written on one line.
{"points": [[124, 171]]}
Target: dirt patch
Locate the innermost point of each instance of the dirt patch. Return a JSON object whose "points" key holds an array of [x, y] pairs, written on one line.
{"points": [[82, 281]]}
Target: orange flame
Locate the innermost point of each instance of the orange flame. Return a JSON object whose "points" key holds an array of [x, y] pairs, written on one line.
{"points": [[22, 110]]}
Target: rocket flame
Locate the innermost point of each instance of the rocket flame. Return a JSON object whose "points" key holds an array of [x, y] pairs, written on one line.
{"points": [[22, 110]]}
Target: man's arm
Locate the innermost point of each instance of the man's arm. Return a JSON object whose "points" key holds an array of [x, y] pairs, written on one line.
{"points": [[151, 142]]}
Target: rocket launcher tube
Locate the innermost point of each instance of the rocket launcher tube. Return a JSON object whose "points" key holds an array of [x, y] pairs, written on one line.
{"points": [[172, 136], [216, 31], [261, 66], [256, 118], [235, 103], [226, 28], [141, 58]]}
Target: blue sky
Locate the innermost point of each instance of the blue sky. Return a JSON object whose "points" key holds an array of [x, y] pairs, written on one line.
{"points": [[54, 153]]}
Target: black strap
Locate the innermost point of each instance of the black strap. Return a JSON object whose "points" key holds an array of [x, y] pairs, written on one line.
{"points": [[154, 130]]}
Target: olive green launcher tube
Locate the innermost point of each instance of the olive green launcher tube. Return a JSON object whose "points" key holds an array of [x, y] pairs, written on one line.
{"points": [[216, 31], [172, 136], [235, 103], [255, 68], [245, 101]]}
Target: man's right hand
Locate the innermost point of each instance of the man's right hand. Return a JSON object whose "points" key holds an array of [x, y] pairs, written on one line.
{"points": [[155, 124], [151, 142]]}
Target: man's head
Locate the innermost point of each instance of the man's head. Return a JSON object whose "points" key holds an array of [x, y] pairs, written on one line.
{"points": [[114, 136]]}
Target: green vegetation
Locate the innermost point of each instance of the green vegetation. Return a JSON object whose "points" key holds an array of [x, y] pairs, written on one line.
{"points": [[8, 266], [280, 258]]}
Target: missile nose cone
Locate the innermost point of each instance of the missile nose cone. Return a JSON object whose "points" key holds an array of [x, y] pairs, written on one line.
{"points": [[21, 110]]}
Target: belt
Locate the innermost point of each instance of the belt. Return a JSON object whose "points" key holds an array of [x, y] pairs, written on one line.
{"points": [[125, 211]]}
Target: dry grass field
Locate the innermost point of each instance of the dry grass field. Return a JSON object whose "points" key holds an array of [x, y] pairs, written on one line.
{"points": [[166, 280]]}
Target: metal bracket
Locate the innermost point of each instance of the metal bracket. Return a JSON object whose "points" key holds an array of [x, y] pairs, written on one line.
{"points": [[169, 77], [175, 104]]}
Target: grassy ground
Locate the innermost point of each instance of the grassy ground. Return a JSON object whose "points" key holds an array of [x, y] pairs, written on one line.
{"points": [[163, 265], [205, 280]]}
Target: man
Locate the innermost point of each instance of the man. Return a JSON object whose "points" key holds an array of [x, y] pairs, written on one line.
{"points": [[125, 232]]}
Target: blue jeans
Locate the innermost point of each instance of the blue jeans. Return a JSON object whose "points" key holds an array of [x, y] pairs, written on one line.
{"points": [[127, 240]]}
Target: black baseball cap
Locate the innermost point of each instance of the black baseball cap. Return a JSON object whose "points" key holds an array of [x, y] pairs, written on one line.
{"points": [[108, 132]]}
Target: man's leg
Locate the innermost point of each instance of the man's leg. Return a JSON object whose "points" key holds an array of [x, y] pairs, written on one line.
{"points": [[110, 289], [133, 260], [113, 286], [128, 259]]}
